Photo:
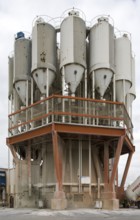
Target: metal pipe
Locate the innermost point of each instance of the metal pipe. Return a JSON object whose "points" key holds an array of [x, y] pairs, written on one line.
{"points": [[85, 119], [85, 83], [80, 164], [93, 96], [32, 101], [27, 98], [90, 165], [29, 168], [99, 189], [106, 162], [114, 88], [123, 91], [63, 88], [70, 158], [93, 84], [47, 94]]}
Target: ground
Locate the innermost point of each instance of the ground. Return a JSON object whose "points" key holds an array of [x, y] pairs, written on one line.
{"points": [[77, 214]]}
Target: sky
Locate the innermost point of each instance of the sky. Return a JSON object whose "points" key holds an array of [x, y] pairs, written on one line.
{"points": [[18, 15]]}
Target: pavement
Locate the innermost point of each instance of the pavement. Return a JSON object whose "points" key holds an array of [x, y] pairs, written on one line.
{"points": [[77, 214]]}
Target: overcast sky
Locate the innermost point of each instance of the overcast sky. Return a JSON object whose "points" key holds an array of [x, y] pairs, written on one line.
{"points": [[18, 15]]}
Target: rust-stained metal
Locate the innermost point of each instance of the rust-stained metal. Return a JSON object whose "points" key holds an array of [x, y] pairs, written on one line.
{"points": [[29, 135], [57, 152], [126, 169], [11, 147], [58, 123], [66, 128], [117, 157]]}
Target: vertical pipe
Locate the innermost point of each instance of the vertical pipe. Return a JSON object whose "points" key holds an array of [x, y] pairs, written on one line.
{"points": [[80, 164], [9, 173], [85, 119], [29, 167], [27, 98], [114, 88], [63, 80], [47, 94], [93, 94], [90, 165], [16, 107], [123, 91], [32, 91], [63, 88], [106, 162], [81, 174], [86, 83], [79, 171], [47, 83], [93, 84], [114, 99], [9, 112], [70, 159], [32, 101], [99, 190]]}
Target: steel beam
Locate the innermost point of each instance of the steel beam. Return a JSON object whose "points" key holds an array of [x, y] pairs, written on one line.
{"points": [[117, 157], [126, 169], [106, 162], [57, 152]]}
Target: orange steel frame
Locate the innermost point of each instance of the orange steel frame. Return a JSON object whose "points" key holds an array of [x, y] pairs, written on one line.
{"points": [[56, 129]]}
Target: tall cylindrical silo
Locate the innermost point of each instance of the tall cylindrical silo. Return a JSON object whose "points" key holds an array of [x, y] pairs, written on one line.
{"points": [[123, 66], [73, 49], [11, 72], [22, 65], [43, 55], [101, 65]]}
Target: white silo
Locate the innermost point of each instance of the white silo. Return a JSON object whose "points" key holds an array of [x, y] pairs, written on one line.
{"points": [[73, 50], [22, 66], [43, 55], [130, 97], [101, 39], [123, 66]]}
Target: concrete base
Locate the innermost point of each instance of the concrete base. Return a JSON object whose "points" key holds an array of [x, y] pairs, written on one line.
{"points": [[110, 204], [98, 204], [59, 202]]}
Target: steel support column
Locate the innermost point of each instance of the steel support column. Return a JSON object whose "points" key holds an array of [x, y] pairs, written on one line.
{"points": [[106, 162], [126, 169], [116, 161], [57, 159]]}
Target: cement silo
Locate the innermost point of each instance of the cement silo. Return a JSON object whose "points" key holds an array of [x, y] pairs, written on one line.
{"points": [[101, 65], [123, 64], [43, 55], [22, 66], [73, 50]]}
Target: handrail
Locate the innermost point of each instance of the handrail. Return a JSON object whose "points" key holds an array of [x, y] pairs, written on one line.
{"points": [[71, 110]]}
